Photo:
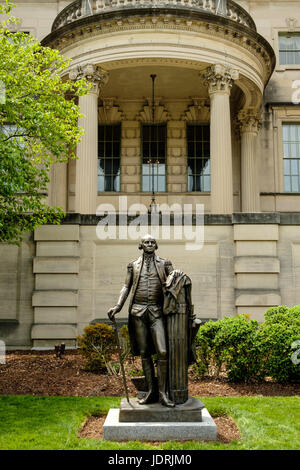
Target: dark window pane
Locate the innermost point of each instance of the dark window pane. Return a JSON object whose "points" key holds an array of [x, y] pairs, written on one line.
{"points": [[145, 133], [100, 149], [198, 148], [153, 157], [101, 132], [198, 133], [191, 152], [109, 149], [161, 133], [190, 133], [161, 151], [108, 133], [206, 149], [206, 133], [116, 149]]}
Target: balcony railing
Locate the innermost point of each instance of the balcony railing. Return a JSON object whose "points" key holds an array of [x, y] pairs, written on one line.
{"points": [[83, 8]]}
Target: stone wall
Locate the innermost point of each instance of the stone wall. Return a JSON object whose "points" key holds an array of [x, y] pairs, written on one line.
{"points": [[65, 277]]}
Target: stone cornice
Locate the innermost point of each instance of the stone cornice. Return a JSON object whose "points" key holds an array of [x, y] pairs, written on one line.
{"points": [[164, 18]]}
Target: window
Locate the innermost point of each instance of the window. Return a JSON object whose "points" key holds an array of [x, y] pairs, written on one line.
{"points": [[109, 161], [154, 140], [198, 157], [289, 49], [291, 157]]}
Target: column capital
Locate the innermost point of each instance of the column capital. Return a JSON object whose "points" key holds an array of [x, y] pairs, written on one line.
{"points": [[249, 120], [219, 78], [92, 73]]}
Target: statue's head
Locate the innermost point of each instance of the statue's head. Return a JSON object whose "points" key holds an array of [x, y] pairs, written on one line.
{"points": [[148, 244]]}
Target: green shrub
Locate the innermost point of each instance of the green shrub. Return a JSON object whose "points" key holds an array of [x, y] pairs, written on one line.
{"points": [[97, 345], [247, 350], [276, 335], [236, 345], [209, 361]]}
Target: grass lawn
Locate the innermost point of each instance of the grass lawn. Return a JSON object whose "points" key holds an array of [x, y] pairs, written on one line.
{"points": [[28, 422]]}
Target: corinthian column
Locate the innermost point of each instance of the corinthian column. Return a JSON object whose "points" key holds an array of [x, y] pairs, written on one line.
{"points": [[87, 150], [219, 80], [249, 126]]}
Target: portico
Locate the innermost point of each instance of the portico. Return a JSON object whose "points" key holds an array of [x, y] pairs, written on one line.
{"points": [[211, 66]]}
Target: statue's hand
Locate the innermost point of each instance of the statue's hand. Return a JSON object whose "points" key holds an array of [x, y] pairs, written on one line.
{"points": [[112, 312], [177, 272]]}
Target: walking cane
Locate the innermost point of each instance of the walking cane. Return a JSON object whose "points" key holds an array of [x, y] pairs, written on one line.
{"points": [[121, 359]]}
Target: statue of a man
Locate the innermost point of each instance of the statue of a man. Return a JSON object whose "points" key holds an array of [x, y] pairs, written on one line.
{"points": [[145, 278]]}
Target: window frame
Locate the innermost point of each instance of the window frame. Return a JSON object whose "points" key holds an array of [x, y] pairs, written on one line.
{"points": [[111, 124], [144, 124], [286, 34], [275, 37], [282, 115], [288, 123], [197, 123]]}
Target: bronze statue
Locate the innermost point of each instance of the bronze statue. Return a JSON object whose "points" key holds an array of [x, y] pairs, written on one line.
{"points": [[158, 296]]}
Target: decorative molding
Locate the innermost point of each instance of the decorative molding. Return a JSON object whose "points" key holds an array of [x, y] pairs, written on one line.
{"points": [[77, 33], [219, 78], [291, 23], [249, 120], [109, 112], [198, 111], [92, 73], [161, 114]]}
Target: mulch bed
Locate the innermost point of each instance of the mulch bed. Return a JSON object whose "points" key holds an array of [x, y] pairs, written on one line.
{"points": [[42, 373], [227, 430]]}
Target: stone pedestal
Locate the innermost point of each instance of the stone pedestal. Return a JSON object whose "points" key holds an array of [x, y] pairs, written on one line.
{"points": [[189, 421]]}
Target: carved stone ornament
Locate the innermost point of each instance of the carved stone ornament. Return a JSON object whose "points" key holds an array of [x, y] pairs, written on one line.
{"points": [[161, 114], [198, 111], [92, 73], [219, 78], [249, 120], [109, 112], [291, 23]]}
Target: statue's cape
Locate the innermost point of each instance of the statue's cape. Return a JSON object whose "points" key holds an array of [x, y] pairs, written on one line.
{"points": [[173, 293]]}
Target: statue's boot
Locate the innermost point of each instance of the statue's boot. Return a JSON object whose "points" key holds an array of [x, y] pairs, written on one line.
{"points": [[148, 369], [162, 368]]}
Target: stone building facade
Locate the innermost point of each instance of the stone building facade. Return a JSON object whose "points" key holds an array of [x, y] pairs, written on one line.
{"points": [[222, 129]]}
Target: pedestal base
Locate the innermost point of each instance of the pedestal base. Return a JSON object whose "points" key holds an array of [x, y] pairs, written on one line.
{"points": [[116, 430]]}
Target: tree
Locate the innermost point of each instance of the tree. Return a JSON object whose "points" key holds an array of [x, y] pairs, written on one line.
{"points": [[38, 127]]}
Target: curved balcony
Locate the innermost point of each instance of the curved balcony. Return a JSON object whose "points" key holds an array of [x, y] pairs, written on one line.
{"points": [[220, 8]]}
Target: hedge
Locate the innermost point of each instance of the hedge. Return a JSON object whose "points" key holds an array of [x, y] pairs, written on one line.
{"points": [[248, 351]]}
